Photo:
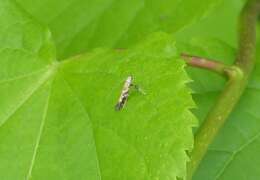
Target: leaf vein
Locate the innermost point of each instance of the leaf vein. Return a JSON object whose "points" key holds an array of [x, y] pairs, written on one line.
{"points": [[232, 157], [87, 115], [28, 94], [39, 136], [21, 76]]}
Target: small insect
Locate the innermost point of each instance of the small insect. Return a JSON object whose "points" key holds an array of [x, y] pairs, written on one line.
{"points": [[125, 93]]}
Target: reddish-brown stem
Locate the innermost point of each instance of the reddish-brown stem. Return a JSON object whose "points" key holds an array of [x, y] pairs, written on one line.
{"points": [[204, 63]]}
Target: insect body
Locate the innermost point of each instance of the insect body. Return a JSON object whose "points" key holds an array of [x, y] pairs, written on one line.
{"points": [[124, 94]]}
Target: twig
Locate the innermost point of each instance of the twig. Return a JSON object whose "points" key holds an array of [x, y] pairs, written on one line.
{"points": [[204, 63]]}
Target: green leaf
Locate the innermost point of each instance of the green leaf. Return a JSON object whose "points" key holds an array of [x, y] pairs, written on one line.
{"points": [[80, 25], [58, 119], [220, 24], [235, 152]]}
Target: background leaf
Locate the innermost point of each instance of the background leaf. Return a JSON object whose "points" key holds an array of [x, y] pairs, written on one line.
{"points": [[220, 24], [58, 119], [235, 152], [80, 25]]}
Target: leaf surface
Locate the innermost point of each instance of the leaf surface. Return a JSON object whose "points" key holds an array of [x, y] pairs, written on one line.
{"points": [[57, 119], [80, 25]]}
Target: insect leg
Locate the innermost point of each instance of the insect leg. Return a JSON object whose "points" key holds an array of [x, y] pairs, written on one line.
{"points": [[138, 88]]}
